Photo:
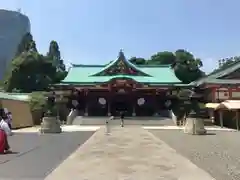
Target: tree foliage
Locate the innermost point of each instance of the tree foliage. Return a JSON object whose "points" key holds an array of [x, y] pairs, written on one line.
{"points": [[185, 65], [37, 101], [162, 58], [54, 56], [137, 61], [31, 71], [27, 44]]}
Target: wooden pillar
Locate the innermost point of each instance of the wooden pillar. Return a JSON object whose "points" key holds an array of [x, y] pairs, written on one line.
{"points": [[87, 103], [109, 107], [134, 109], [86, 109], [221, 118], [237, 119], [134, 103]]}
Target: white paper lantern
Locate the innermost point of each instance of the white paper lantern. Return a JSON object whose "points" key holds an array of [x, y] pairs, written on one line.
{"points": [[168, 103], [141, 101], [102, 101], [74, 103]]}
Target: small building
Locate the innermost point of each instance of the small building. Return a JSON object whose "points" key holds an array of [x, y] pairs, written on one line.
{"points": [[218, 87], [120, 86], [221, 85]]}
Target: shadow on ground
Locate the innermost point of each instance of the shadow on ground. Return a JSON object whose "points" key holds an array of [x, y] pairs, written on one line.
{"points": [[35, 156]]}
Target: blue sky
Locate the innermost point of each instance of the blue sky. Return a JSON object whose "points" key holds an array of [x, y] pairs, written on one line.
{"points": [[93, 31]]}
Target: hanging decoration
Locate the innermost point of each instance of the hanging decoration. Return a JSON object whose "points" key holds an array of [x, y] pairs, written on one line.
{"points": [[74, 103], [141, 101], [168, 103], [102, 101], [121, 91]]}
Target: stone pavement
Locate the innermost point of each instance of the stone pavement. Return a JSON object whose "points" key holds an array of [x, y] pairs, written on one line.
{"points": [[129, 153]]}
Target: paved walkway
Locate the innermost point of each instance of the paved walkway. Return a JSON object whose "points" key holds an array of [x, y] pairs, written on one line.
{"points": [[129, 153], [65, 128], [76, 128], [208, 128]]}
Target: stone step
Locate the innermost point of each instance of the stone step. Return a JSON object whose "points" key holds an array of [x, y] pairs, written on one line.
{"points": [[128, 121]]}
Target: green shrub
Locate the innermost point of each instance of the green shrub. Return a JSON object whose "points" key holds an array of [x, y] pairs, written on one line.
{"points": [[37, 101]]}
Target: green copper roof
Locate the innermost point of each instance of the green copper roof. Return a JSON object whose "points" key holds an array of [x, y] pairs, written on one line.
{"points": [[93, 74], [116, 65], [215, 78]]}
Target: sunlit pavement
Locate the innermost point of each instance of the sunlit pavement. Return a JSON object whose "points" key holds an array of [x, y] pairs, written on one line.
{"points": [[127, 153], [76, 128], [65, 128]]}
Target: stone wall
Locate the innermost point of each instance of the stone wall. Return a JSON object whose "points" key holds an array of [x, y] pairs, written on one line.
{"points": [[22, 116]]}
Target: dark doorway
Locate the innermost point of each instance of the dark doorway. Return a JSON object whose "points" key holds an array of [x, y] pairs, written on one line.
{"points": [[121, 103], [97, 109]]}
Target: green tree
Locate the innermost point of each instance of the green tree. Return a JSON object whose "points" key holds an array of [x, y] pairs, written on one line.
{"points": [[187, 67], [137, 61], [162, 58], [54, 55], [27, 43], [29, 72]]}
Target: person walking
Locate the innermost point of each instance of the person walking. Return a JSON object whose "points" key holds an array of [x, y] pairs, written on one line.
{"points": [[122, 118], [108, 125]]}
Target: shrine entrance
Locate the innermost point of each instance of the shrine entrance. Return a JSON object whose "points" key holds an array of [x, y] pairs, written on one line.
{"points": [[121, 103]]}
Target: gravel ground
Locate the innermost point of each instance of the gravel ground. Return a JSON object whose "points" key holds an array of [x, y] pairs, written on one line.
{"points": [[217, 153], [37, 155]]}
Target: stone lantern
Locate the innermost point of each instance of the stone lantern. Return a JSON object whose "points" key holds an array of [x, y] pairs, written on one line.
{"points": [[194, 125], [50, 122]]}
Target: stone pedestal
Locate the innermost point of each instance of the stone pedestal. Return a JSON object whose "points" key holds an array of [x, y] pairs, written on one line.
{"points": [[194, 126], [72, 115], [50, 125]]}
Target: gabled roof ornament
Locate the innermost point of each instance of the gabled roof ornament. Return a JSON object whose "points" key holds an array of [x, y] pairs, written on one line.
{"points": [[121, 54], [121, 66]]}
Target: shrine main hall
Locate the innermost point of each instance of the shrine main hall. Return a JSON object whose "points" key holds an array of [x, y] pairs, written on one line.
{"points": [[104, 90]]}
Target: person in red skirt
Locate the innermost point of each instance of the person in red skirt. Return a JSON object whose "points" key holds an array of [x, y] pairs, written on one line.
{"points": [[4, 146]]}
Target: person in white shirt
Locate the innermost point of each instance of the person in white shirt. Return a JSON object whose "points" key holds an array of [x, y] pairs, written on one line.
{"points": [[4, 126], [9, 119]]}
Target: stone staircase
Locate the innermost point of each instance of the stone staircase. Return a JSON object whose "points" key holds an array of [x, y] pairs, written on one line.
{"points": [[142, 121]]}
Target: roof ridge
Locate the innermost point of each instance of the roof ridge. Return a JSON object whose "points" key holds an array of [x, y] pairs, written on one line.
{"points": [[232, 67], [121, 57], [87, 65], [153, 66], [228, 66]]}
